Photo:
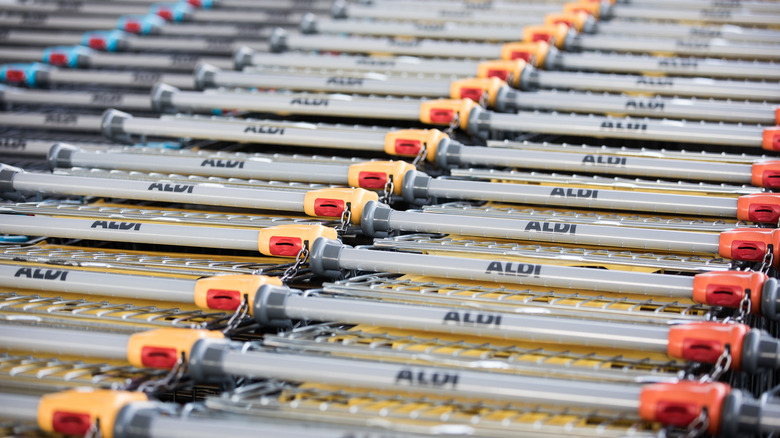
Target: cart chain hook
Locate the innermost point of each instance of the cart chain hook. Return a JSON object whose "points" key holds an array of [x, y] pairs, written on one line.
{"points": [[346, 217], [420, 155], [699, 425], [300, 259], [235, 319], [387, 193]]}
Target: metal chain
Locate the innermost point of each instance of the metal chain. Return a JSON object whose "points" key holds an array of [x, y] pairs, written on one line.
{"points": [[484, 99], [170, 380], [235, 319], [300, 259], [699, 425], [721, 366], [768, 261], [420, 155], [387, 193], [745, 306], [453, 124], [94, 430], [346, 217]]}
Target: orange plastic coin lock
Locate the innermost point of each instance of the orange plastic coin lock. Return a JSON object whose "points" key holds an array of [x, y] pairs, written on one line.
{"points": [[576, 20], [532, 53], [408, 142], [679, 404], [749, 244], [373, 175], [554, 34], [590, 8], [444, 111], [504, 69], [225, 292], [766, 174], [332, 202], [770, 140], [705, 341], [75, 411], [475, 88], [287, 240], [162, 348], [759, 207], [727, 289]]}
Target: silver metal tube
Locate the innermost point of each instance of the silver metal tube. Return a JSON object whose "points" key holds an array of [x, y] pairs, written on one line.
{"points": [[59, 121], [270, 132], [696, 47], [63, 342], [19, 407], [205, 193], [769, 419], [584, 198], [176, 62], [159, 234], [702, 87], [159, 426], [55, 279], [238, 16], [628, 128], [300, 103], [140, 79], [763, 6], [607, 164], [556, 232], [674, 30], [447, 30], [89, 99], [386, 376], [719, 16], [398, 64], [665, 107], [498, 325], [368, 84], [249, 168], [432, 48], [437, 13]]}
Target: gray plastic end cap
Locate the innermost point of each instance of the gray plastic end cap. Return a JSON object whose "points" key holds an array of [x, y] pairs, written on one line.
{"points": [[415, 187], [760, 352], [324, 257], [506, 100], [205, 361], [447, 153], [59, 155], [590, 25], [309, 24], [339, 10], [278, 40], [112, 124], [374, 221], [739, 416], [770, 300], [268, 308], [479, 123], [7, 174], [162, 97], [242, 57], [134, 420], [204, 76]]}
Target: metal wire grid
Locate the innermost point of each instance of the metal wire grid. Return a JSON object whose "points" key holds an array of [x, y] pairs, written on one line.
{"points": [[502, 299], [190, 264], [103, 315], [572, 256], [581, 217], [609, 182], [385, 344], [422, 414], [133, 212], [43, 375]]}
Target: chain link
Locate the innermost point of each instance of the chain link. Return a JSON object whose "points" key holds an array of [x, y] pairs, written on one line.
{"points": [[745, 306], [94, 430], [346, 217], [300, 259], [420, 155], [721, 366], [699, 425], [768, 261], [453, 124], [387, 193], [484, 99], [170, 381], [241, 312]]}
